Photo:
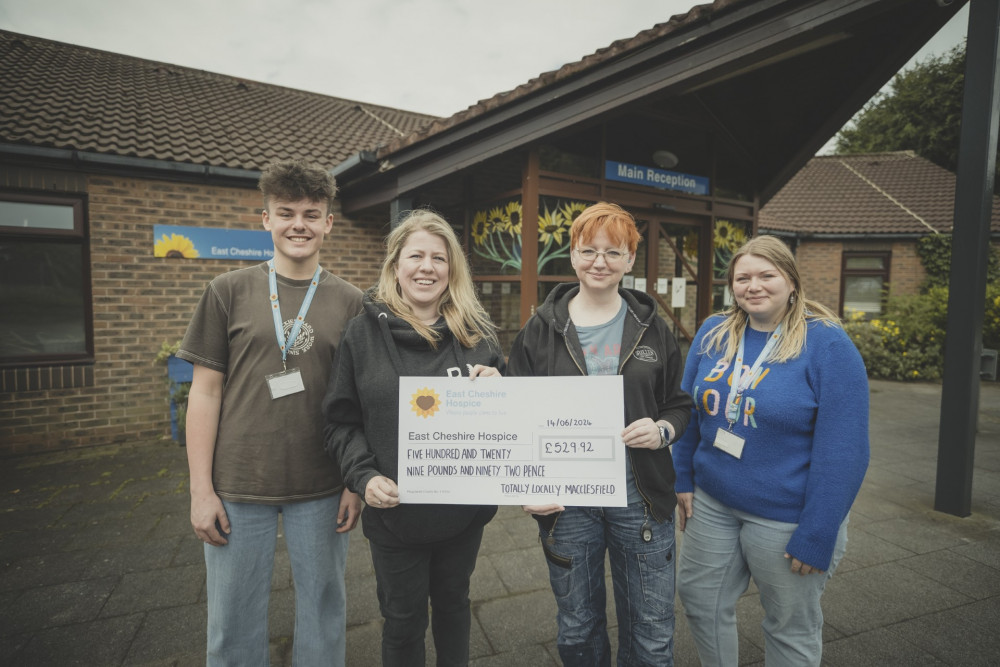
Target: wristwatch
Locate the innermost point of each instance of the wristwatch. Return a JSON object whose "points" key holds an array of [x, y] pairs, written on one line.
{"points": [[664, 437]]}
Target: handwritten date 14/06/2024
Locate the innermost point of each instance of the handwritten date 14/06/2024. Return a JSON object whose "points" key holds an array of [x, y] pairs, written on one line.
{"points": [[567, 421]]}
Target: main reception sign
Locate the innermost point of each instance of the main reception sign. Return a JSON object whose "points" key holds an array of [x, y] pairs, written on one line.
{"points": [[656, 178]]}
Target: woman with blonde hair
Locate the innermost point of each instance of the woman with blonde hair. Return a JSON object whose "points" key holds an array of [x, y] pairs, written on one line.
{"points": [[771, 462], [422, 318]]}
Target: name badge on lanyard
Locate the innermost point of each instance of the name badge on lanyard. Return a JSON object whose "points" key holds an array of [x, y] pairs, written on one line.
{"points": [[284, 383], [287, 381], [726, 440]]}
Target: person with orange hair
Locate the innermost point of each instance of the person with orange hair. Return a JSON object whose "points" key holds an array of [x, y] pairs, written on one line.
{"points": [[596, 327]]}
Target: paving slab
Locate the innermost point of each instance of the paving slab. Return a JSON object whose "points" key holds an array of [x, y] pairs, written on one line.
{"points": [[177, 633], [98, 564], [877, 648], [101, 642], [962, 636]]}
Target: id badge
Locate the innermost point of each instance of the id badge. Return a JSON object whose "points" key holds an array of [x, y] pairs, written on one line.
{"points": [[729, 442], [285, 383]]}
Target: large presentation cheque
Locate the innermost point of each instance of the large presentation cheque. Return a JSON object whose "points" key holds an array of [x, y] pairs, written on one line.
{"points": [[512, 441]]}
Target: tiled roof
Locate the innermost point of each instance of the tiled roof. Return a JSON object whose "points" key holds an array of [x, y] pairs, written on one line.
{"points": [[64, 96], [696, 15], [879, 193]]}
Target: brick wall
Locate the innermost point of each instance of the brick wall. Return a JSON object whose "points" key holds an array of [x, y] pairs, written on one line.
{"points": [[906, 273], [819, 269], [820, 265], [140, 301]]}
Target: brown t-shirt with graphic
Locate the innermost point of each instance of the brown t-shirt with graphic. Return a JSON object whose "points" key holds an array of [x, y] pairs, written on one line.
{"points": [[270, 450]]}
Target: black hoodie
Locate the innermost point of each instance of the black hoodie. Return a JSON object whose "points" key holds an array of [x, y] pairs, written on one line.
{"points": [[362, 411], [650, 364]]}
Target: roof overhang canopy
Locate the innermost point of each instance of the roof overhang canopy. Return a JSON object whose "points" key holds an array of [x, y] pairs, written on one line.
{"points": [[775, 78]]}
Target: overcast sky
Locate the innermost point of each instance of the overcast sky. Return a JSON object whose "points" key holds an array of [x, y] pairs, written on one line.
{"points": [[430, 56]]}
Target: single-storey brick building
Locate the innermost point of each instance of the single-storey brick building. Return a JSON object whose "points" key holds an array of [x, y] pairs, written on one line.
{"points": [[692, 125], [854, 222]]}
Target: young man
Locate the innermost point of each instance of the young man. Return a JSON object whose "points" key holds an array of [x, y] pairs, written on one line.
{"points": [[262, 341]]}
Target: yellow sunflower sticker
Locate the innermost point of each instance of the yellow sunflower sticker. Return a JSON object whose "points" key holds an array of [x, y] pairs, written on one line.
{"points": [[479, 228], [550, 227], [571, 211], [498, 220], [512, 217], [176, 245], [425, 402], [729, 236]]}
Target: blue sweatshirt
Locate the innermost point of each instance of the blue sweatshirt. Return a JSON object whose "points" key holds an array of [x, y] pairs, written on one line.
{"points": [[805, 426]]}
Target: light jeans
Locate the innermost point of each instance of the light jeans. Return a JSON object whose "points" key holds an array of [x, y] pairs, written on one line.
{"points": [[643, 577], [722, 549], [239, 583]]}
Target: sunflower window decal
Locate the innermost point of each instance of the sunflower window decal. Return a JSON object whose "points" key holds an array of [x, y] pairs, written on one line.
{"points": [[726, 240], [496, 234], [496, 231], [175, 245], [425, 402]]}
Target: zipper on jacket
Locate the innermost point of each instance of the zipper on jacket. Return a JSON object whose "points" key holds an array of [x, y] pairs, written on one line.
{"points": [[570, 350], [638, 487], [645, 328]]}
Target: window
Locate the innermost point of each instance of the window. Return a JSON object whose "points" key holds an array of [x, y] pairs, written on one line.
{"points": [[45, 297], [865, 277]]}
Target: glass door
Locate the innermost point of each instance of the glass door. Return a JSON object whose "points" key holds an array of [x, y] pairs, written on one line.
{"points": [[667, 269]]}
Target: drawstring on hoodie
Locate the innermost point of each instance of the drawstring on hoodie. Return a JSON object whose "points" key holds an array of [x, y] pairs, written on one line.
{"points": [[552, 348], [383, 325], [397, 362]]}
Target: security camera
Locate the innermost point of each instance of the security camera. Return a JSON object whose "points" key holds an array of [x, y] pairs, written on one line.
{"points": [[943, 3]]}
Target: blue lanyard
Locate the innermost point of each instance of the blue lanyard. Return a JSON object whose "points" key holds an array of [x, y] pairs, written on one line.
{"points": [[737, 387], [272, 282]]}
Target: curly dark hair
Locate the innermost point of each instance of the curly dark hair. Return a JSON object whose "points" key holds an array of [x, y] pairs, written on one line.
{"points": [[294, 180]]}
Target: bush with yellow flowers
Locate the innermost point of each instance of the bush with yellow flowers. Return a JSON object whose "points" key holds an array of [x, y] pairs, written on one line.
{"points": [[907, 342]]}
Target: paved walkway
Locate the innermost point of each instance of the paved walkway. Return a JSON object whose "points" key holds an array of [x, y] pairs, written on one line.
{"points": [[98, 565]]}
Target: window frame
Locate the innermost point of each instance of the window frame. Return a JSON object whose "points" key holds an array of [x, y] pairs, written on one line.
{"points": [[78, 236], [883, 273]]}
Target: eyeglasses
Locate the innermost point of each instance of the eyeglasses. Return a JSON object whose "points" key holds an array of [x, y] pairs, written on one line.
{"points": [[610, 256]]}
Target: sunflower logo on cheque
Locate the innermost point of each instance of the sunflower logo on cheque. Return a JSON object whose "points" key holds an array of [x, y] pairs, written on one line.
{"points": [[425, 402]]}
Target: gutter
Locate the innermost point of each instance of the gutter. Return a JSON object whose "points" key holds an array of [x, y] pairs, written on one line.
{"points": [[354, 165], [855, 236], [123, 163]]}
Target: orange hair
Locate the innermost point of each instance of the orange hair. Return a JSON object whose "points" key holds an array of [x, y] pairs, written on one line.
{"points": [[612, 219]]}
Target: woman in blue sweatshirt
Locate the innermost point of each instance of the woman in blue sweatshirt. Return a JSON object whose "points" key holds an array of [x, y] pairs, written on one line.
{"points": [[771, 462]]}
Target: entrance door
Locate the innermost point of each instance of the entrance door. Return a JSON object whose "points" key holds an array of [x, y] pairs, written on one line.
{"points": [[667, 268]]}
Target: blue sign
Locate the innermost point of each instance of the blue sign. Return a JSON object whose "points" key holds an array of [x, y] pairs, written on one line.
{"points": [[657, 178], [211, 243]]}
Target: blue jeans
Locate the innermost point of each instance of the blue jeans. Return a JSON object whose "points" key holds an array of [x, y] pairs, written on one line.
{"points": [[722, 549], [642, 574], [239, 583], [406, 577]]}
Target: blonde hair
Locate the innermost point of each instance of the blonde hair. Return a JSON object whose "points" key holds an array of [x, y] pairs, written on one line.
{"points": [[461, 309], [726, 335]]}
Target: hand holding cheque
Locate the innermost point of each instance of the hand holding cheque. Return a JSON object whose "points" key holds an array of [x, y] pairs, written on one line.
{"points": [[512, 441]]}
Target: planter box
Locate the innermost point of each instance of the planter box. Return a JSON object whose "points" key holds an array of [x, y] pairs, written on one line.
{"points": [[178, 370]]}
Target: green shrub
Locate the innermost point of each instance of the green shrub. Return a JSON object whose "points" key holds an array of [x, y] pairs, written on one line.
{"points": [[907, 343], [991, 317], [935, 256]]}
